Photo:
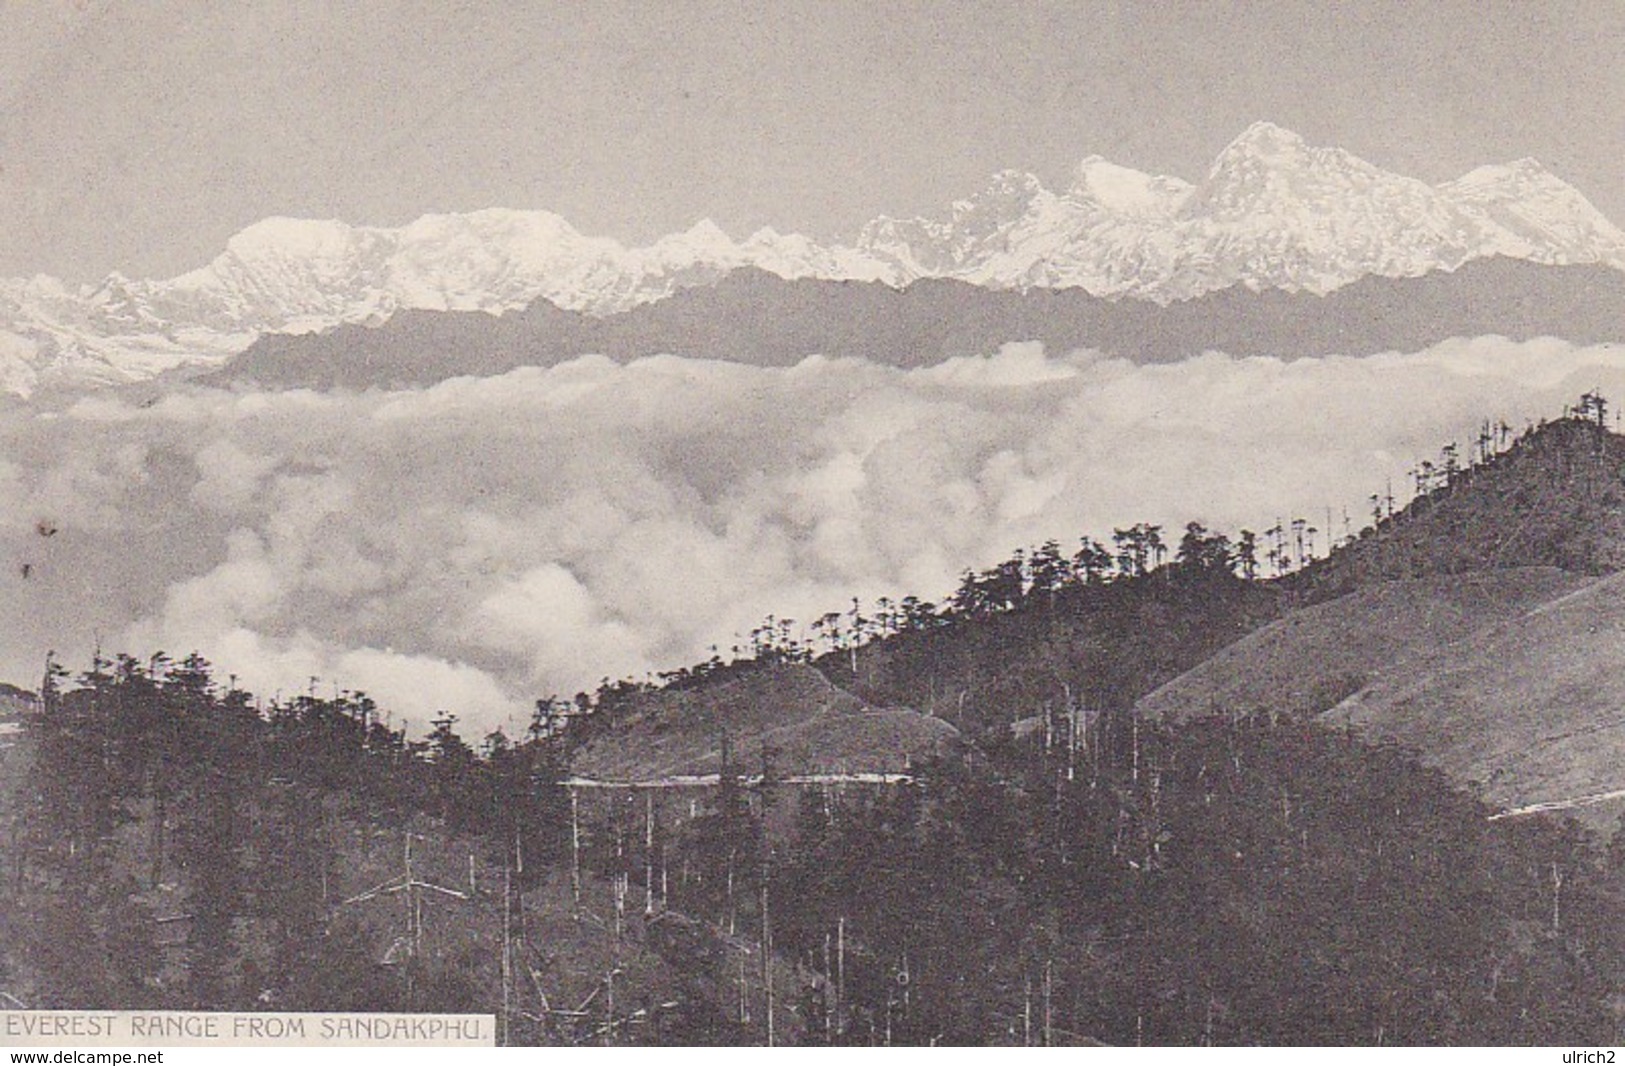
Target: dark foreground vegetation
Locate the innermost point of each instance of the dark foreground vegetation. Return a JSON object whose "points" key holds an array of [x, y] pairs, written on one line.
{"points": [[1070, 873]]}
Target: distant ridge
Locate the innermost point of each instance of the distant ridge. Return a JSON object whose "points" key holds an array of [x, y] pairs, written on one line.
{"points": [[754, 317]]}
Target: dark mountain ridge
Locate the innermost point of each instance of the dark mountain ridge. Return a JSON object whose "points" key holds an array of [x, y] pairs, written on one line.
{"points": [[754, 317]]}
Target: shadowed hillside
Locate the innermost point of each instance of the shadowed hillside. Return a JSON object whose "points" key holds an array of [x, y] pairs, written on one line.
{"points": [[1556, 497]]}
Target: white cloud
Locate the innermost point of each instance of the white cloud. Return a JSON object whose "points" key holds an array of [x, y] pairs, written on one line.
{"points": [[471, 546], [547, 613], [1013, 366]]}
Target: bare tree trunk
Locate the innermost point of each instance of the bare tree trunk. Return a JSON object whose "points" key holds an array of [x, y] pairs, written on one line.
{"points": [[1027, 1012], [649, 854], [1557, 897], [767, 960], [732, 911], [830, 1005], [840, 972], [1134, 726], [1049, 1039], [411, 922], [575, 849], [507, 944], [159, 814]]}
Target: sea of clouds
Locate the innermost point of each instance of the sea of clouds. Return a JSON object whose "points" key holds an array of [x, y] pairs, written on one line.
{"points": [[474, 545]]}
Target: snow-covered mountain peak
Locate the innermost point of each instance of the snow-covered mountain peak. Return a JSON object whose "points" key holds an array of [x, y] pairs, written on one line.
{"points": [[1266, 140], [1526, 166], [707, 234], [277, 259], [703, 242], [1126, 191], [1264, 157], [493, 260], [768, 237], [1273, 211], [283, 238], [490, 224], [1540, 216], [961, 244]]}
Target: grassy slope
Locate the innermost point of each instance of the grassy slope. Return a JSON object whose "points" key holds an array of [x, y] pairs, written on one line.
{"points": [[1554, 499], [1313, 657], [810, 725], [1531, 709]]}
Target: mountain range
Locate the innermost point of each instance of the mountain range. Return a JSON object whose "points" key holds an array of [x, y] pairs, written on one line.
{"points": [[1273, 213]]}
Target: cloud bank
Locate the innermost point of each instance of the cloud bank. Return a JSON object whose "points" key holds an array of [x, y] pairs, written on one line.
{"points": [[474, 545]]}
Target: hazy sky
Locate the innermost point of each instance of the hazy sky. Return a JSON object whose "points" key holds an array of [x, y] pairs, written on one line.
{"points": [[138, 137]]}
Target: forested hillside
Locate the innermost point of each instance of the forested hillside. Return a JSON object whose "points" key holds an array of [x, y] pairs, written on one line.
{"points": [[1041, 864]]}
